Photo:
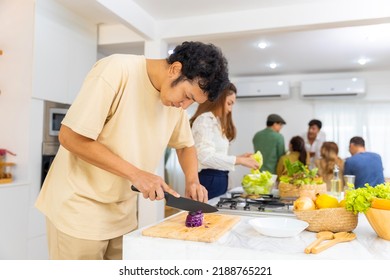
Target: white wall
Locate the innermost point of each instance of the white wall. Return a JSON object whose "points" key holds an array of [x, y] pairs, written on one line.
{"points": [[65, 49]]}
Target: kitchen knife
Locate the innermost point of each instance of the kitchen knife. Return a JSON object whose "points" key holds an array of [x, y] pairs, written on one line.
{"points": [[185, 203]]}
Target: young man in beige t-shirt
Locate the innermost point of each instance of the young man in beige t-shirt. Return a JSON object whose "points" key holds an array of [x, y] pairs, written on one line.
{"points": [[128, 111]]}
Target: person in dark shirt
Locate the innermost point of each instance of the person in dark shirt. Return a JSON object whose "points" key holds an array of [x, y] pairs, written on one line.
{"points": [[366, 166]]}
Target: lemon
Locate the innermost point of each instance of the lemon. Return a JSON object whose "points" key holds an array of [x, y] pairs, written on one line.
{"points": [[326, 201]]}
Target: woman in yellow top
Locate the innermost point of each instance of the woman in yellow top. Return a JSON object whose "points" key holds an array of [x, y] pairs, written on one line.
{"points": [[296, 151], [329, 158]]}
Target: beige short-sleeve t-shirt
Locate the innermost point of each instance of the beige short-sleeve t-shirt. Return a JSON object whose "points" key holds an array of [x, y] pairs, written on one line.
{"points": [[119, 107]]}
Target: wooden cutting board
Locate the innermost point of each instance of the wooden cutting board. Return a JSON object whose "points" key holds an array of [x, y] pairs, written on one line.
{"points": [[214, 226]]}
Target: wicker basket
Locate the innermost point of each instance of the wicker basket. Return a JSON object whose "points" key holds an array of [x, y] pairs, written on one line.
{"points": [[328, 219], [289, 190]]}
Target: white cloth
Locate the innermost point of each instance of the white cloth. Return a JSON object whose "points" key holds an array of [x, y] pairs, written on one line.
{"points": [[211, 145], [315, 147]]}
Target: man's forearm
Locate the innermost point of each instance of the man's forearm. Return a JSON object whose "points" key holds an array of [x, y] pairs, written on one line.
{"points": [[189, 163], [95, 153]]}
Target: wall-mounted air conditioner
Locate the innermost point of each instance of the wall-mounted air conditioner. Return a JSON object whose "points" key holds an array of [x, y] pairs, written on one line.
{"points": [[264, 89], [351, 87]]}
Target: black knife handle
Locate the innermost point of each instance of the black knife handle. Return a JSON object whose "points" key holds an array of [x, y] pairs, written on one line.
{"points": [[136, 190]]}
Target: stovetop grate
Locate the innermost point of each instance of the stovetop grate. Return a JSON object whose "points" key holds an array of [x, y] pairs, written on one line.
{"points": [[239, 203]]}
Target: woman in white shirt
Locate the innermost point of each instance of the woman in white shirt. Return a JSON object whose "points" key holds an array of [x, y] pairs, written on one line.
{"points": [[213, 130]]}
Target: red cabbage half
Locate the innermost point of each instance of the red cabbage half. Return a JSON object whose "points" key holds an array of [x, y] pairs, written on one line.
{"points": [[194, 219]]}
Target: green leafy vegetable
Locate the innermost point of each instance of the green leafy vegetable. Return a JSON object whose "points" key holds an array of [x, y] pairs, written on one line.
{"points": [[299, 174], [257, 182], [259, 158], [359, 200]]}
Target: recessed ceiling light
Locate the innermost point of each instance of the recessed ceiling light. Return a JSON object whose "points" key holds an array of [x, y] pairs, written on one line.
{"points": [[262, 45], [354, 79], [170, 51], [273, 65], [280, 83], [362, 61]]}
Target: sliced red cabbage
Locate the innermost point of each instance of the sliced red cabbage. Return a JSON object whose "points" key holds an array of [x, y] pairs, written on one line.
{"points": [[194, 219]]}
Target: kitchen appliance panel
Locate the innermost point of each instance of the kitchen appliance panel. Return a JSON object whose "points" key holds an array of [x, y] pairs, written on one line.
{"points": [[50, 112], [53, 115]]}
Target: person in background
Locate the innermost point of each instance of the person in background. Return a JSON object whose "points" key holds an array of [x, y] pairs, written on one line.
{"points": [[296, 151], [314, 138], [270, 143], [213, 130], [129, 109], [326, 164], [366, 166]]}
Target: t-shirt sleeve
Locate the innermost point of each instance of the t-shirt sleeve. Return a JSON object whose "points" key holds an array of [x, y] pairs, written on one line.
{"points": [[93, 105], [182, 135]]}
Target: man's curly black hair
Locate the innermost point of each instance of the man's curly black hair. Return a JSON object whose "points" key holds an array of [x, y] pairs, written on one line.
{"points": [[203, 63]]}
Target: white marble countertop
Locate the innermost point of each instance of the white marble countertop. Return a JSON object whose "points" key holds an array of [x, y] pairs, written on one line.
{"points": [[243, 242]]}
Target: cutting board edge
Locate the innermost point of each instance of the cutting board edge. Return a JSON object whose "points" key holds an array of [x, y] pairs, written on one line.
{"points": [[173, 238]]}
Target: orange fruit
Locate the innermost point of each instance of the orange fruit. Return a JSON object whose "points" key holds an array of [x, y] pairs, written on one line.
{"points": [[380, 203]]}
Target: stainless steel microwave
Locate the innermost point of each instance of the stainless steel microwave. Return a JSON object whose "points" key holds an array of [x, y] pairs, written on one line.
{"points": [[56, 115]]}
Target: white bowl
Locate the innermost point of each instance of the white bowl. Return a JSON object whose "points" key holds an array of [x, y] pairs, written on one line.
{"points": [[278, 227]]}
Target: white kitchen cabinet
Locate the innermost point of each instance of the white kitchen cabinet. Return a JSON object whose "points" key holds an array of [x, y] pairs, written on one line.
{"points": [[65, 48], [81, 58], [14, 204]]}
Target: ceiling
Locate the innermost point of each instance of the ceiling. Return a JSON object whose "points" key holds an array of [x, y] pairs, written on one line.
{"points": [[323, 49]]}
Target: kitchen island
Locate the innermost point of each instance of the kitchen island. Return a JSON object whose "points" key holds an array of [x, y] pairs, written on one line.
{"points": [[244, 243]]}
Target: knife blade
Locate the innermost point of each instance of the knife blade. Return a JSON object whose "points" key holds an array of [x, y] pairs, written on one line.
{"points": [[185, 203]]}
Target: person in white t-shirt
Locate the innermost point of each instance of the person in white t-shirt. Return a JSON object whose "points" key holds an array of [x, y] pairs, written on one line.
{"points": [[213, 130], [314, 138], [129, 109]]}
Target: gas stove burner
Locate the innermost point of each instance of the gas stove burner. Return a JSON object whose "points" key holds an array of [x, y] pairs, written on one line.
{"points": [[227, 201], [251, 196], [264, 204]]}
